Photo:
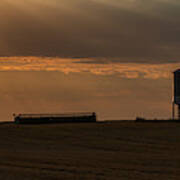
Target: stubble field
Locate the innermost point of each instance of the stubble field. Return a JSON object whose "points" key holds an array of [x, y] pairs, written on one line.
{"points": [[92, 151]]}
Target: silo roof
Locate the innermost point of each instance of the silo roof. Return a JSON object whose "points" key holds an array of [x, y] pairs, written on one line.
{"points": [[177, 71]]}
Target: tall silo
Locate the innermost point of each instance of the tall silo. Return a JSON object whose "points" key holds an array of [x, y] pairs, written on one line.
{"points": [[176, 99]]}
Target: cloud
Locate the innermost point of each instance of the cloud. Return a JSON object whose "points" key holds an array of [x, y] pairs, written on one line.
{"points": [[84, 65], [132, 30]]}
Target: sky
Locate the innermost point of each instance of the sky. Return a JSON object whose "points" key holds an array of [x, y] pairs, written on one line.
{"points": [[113, 57]]}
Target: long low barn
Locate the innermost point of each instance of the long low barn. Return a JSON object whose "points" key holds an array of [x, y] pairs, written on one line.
{"points": [[54, 118]]}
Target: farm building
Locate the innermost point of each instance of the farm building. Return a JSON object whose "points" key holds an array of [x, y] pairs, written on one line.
{"points": [[54, 118]]}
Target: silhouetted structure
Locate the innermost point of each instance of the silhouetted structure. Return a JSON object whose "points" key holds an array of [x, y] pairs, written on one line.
{"points": [[54, 118], [176, 99]]}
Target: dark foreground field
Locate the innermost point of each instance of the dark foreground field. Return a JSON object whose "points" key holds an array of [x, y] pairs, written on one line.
{"points": [[123, 150]]}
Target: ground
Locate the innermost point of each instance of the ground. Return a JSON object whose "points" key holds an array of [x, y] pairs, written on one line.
{"points": [[92, 151]]}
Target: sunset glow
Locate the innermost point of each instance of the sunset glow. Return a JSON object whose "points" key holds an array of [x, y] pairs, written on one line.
{"points": [[104, 67], [122, 51]]}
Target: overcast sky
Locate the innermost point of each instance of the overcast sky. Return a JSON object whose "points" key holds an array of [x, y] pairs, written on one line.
{"points": [[115, 57], [130, 30]]}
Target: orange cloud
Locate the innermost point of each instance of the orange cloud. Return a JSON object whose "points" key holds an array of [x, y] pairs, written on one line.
{"points": [[123, 70]]}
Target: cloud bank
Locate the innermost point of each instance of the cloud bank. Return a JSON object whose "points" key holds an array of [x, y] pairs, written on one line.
{"points": [[132, 30], [94, 66]]}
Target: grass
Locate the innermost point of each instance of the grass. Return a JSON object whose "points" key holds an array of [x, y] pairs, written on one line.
{"points": [[102, 151]]}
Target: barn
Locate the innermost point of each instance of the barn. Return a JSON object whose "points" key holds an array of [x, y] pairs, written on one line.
{"points": [[55, 118]]}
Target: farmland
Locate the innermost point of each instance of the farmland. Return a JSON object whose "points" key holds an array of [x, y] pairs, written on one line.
{"points": [[90, 151]]}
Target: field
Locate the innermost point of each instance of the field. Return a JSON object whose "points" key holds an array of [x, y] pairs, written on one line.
{"points": [[92, 151]]}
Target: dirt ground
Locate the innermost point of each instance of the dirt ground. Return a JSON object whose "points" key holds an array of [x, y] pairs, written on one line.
{"points": [[92, 151]]}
